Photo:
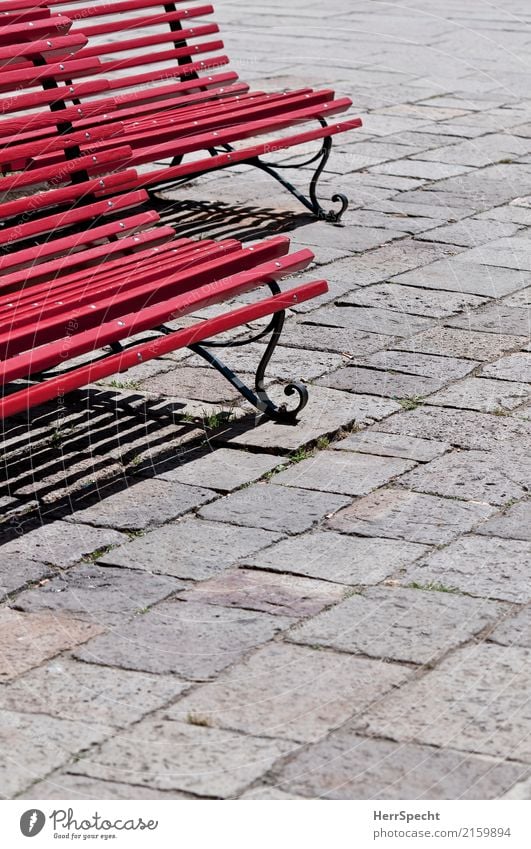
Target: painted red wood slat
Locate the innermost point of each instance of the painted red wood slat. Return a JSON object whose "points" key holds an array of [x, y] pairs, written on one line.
{"points": [[60, 386], [144, 41], [13, 281], [218, 263], [34, 309], [119, 24], [141, 59], [119, 325], [34, 99], [36, 75], [66, 283], [224, 160], [46, 121], [173, 125], [69, 217], [31, 30], [161, 98], [167, 73], [117, 8], [76, 193], [63, 45], [14, 153], [54, 247], [92, 164], [17, 16], [241, 131]]}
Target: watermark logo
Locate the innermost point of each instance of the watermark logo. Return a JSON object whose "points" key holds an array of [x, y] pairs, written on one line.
{"points": [[32, 822]]}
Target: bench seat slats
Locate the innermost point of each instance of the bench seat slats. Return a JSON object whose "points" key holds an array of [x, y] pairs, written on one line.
{"points": [[61, 385], [131, 316]]}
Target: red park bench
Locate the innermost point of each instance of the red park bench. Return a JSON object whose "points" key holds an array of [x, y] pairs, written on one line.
{"points": [[92, 283]]}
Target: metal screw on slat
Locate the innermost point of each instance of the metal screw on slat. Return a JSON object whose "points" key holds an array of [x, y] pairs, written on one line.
{"points": [[120, 323], [139, 357], [62, 67], [122, 225]]}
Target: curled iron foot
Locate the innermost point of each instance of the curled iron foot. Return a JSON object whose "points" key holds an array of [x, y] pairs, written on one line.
{"points": [[333, 216], [281, 413]]}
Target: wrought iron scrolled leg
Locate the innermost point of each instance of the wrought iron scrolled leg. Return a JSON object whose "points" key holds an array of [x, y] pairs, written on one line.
{"points": [[259, 398], [312, 202]]}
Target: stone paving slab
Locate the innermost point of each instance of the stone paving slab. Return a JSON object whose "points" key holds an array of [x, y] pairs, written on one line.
{"points": [[337, 557], [411, 516], [347, 473], [189, 639], [292, 692], [465, 703], [192, 549], [480, 566], [177, 756], [349, 766], [408, 625], [34, 745]]}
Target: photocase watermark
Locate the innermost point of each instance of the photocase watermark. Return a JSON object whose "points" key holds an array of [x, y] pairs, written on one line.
{"points": [[66, 825], [32, 822]]}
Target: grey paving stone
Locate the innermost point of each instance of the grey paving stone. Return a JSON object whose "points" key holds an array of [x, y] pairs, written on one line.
{"points": [[513, 367], [463, 428], [289, 691], [419, 170], [60, 543], [412, 625], [186, 381], [28, 639], [465, 277], [347, 473], [492, 477], [519, 299], [287, 364], [281, 595], [327, 412], [427, 365], [483, 151], [475, 701], [98, 594], [84, 692], [521, 790], [386, 322], [350, 341], [176, 756], [515, 631], [338, 557], [195, 641], [381, 383], [61, 785], [470, 344], [483, 394], [469, 232], [264, 793], [397, 514], [497, 318], [349, 766], [390, 445], [145, 504], [349, 238], [191, 549], [33, 745], [411, 299], [223, 469], [275, 508], [487, 567], [514, 523], [510, 252], [390, 260], [17, 572]]}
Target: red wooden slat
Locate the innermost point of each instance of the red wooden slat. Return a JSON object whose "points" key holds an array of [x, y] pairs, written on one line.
{"points": [[122, 324], [14, 153], [59, 386], [118, 24], [65, 245], [150, 40], [63, 45], [34, 99], [31, 30], [92, 164], [69, 217], [10, 80], [70, 194]]}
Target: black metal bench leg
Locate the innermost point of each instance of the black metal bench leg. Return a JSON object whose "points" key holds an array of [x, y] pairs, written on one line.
{"points": [[258, 397]]}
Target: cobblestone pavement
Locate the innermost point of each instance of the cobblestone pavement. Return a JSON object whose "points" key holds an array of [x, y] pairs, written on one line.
{"points": [[341, 609]]}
